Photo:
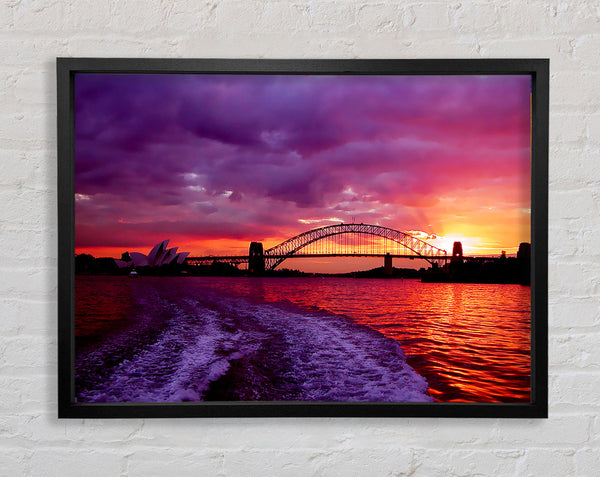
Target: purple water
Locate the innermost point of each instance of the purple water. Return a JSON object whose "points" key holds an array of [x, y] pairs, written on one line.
{"points": [[309, 339], [184, 339]]}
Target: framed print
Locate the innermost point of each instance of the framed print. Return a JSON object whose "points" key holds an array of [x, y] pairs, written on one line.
{"points": [[302, 237]]}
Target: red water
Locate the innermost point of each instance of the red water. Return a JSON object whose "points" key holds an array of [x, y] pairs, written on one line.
{"points": [[471, 341]]}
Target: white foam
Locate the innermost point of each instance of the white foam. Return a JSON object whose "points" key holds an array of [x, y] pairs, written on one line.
{"points": [[336, 360], [327, 357]]}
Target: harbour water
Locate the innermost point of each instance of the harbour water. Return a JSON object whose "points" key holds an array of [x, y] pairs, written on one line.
{"points": [[321, 339]]}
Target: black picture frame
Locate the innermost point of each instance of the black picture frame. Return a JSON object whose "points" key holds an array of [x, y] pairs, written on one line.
{"points": [[539, 71]]}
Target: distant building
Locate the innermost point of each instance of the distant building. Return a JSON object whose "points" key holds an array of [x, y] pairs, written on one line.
{"points": [[524, 252], [159, 255]]}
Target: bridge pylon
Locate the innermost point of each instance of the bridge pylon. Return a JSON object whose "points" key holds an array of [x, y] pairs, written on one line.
{"points": [[457, 252], [387, 265], [256, 259]]}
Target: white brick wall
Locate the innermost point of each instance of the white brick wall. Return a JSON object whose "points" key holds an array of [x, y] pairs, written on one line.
{"points": [[34, 442]]}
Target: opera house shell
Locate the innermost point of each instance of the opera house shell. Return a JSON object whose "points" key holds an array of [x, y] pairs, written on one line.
{"points": [[159, 255]]}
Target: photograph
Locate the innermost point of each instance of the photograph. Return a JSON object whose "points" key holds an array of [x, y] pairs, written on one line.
{"points": [[308, 238]]}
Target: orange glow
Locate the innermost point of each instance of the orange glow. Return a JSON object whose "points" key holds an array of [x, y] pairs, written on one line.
{"points": [[452, 332], [114, 252]]}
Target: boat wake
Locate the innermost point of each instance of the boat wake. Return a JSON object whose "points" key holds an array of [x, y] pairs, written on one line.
{"points": [[215, 347]]}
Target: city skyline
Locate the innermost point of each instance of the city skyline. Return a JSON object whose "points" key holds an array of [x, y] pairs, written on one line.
{"points": [[214, 162]]}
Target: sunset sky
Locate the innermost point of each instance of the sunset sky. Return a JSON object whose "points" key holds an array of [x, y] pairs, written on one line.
{"points": [[213, 162]]}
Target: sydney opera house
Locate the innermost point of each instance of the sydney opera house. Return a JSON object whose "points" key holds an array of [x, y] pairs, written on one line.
{"points": [[159, 255]]}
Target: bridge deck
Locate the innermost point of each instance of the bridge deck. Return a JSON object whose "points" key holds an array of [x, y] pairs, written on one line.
{"points": [[316, 255]]}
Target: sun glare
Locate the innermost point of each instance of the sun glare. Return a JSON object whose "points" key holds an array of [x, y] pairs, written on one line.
{"points": [[446, 242]]}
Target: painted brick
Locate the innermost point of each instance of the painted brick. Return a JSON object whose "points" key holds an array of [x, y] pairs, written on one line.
{"points": [[576, 388], [271, 17], [587, 461], [138, 16], [580, 17], [66, 463], [380, 17], [467, 462], [564, 92], [366, 461], [515, 19], [590, 241], [26, 244], [573, 430], [6, 14], [595, 431], [18, 50], [34, 33], [89, 15], [21, 317], [547, 462], [15, 169], [121, 47], [21, 395], [593, 128], [28, 207], [43, 15], [574, 166], [585, 50], [189, 463], [573, 204], [333, 16], [35, 87], [574, 279], [409, 46], [27, 355], [574, 312], [472, 17], [568, 128], [102, 432], [23, 124], [558, 49], [320, 462], [577, 351], [15, 463], [432, 16], [183, 18], [28, 284], [565, 239]]}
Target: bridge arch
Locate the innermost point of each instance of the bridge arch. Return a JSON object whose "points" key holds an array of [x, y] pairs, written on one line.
{"points": [[290, 247]]}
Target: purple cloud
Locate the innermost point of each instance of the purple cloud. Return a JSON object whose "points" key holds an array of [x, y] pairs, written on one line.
{"points": [[243, 156]]}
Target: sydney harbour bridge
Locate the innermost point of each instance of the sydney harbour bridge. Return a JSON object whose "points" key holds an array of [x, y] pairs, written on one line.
{"points": [[341, 240]]}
